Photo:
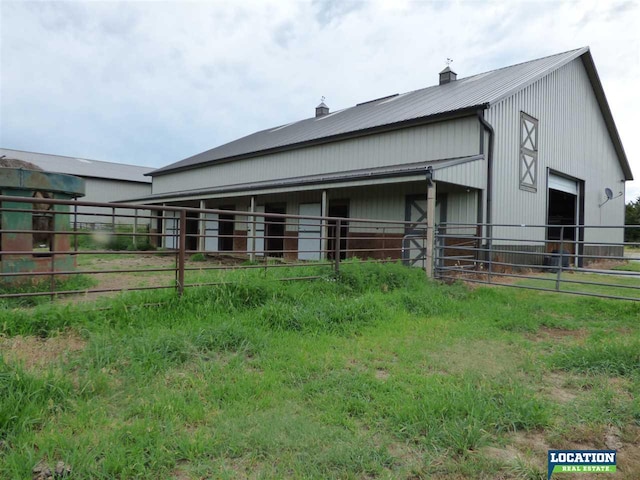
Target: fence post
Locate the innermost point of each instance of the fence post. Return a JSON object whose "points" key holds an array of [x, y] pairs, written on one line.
{"points": [[182, 246], [560, 259], [75, 225], [490, 252], [251, 230], [52, 249], [336, 248], [431, 223], [135, 229]]}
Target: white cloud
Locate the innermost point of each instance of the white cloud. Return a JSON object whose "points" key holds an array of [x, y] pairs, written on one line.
{"points": [[152, 83]]}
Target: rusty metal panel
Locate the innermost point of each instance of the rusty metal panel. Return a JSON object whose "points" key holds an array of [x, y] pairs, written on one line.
{"points": [[21, 179]]}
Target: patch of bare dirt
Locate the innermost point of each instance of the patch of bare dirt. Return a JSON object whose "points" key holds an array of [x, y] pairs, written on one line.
{"points": [[122, 280], [382, 374], [36, 352], [552, 333], [409, 456], [606, 264], [558, 389], [506, 454], [531, 448], [180, 473], [486, 356]]}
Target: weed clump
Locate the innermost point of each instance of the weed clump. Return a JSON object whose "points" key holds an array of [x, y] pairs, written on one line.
{"points": [[358, 276], [614, 357], [26, 401], [333, 314], [198, 257], [462, 413], [227, 337]]}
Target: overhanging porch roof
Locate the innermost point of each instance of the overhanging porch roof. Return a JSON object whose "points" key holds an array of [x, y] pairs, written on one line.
{"points": [[361, 177]]}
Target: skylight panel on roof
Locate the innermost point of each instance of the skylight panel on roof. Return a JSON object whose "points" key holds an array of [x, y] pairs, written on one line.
{"points": [[393, 98], [283, 126], [377, 99], [330, 114]]}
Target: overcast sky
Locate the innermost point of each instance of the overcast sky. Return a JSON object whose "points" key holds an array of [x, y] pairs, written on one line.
{"points": [[151, 83]]}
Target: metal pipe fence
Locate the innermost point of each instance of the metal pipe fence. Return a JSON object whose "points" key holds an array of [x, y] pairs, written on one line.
{"points": [[577, 259], [146, 247]]}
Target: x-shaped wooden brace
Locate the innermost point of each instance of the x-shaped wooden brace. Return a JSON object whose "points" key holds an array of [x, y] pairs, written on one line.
{"points": [[529, 136], [528, 171]]}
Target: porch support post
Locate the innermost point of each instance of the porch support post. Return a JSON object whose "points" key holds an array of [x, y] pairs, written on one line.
{"points": [[163, 238], [251, 230], [431, 225], [202, 229], [324, 230]]}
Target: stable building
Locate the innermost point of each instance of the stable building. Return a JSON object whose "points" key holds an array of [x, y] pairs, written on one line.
{"points": [[104, 182], [532, 143]]}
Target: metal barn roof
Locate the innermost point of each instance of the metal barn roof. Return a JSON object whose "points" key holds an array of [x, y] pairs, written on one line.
{"points": [[462, 95], [81, 167]]}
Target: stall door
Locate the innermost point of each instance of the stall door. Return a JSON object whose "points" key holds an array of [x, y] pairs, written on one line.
{"points": [[211, 225], [414, 249], [171, 229], [309, 232]]}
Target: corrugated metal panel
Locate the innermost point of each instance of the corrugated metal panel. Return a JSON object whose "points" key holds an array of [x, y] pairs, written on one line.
{"points": [[460, 94], [573, 139], [471, 174], [81, 167], [453, 138], [100, 190], [462, 207]]}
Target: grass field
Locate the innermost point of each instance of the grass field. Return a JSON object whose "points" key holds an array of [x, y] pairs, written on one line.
{"points": [[632, 266], [376, 374]]}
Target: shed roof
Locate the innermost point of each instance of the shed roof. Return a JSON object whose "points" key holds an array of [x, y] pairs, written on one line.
{"points": [[82, 167], [396, 111]]}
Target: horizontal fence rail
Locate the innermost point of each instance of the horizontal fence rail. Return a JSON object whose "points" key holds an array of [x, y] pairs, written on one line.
{"points": [[47, 252], [74, 249], [600, 261]]}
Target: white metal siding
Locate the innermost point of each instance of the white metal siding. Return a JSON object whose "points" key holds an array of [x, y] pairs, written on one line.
{"points": [[573, 140], [454, 138]]}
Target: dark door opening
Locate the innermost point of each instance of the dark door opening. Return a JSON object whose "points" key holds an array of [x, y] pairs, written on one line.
{"points": [[191, 239], [274, 230], [340, 210], [562, 210], [226, 229]]}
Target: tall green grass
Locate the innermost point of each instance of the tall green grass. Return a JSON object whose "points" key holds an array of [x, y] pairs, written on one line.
{"points": [[358, 375]]}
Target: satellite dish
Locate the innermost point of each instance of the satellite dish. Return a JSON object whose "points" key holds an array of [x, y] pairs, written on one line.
{"points": [[608, 193]]}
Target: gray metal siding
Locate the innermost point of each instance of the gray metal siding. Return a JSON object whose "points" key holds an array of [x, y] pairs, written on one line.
{"points": [[573, 139], [471, 174], [82, 167], [454, 138], [462, 207], [101, 190]]}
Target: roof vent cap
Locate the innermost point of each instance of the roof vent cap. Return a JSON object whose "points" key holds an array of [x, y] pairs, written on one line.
{"points": [[447, 75], [322, 109]]}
